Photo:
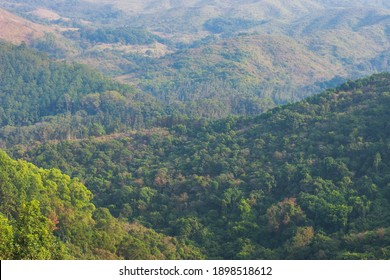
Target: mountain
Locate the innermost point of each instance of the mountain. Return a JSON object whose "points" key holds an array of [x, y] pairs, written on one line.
{"points": [[216, 58], [304, 181], [243, 76], [198, 150], [260, 71], [190, 16]]}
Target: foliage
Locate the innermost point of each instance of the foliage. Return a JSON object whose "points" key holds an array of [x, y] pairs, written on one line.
{"points": [[125, 35], [245, 57], [229, 25], [301, 181], [170, 157], [46, 215], [44, 100]]}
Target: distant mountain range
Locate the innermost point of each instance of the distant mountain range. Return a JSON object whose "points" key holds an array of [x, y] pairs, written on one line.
{"points": [[215, 58]]}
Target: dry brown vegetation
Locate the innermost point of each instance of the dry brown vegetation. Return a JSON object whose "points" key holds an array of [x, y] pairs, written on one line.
{"points": [[47, 14], [16, 29]]}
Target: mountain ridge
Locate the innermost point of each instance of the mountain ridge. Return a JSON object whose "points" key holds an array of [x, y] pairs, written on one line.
{"points": [[315, 50]]}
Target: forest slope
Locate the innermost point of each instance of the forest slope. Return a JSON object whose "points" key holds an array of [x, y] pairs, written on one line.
{"points": [[217, 58], [47, 215], [46, 100], [308, 180]]}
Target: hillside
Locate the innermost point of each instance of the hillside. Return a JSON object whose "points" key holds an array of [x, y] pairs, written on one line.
{"points": [[240, 77], [308, 180], [47, 100], [216, 58], [250, 73], [15, 29], [46, 215], [208, 137], [190, 16], [351, 36]]}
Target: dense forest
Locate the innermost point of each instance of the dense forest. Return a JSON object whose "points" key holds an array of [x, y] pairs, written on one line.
{"points": [[158, 129], [45, 100], [45, 214], [306, 180], [124, 35]]}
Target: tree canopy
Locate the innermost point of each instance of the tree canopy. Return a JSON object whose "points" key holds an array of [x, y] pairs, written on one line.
{"points": [[306, 180]]}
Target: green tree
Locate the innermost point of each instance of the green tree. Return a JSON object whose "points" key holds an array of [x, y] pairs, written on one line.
{"points": [[6, 239], [33, 238]]}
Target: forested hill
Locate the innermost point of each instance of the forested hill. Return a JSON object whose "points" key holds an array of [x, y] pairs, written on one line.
{"points": [[46, 100], [47, 215], [308, 180], [207, 58]]}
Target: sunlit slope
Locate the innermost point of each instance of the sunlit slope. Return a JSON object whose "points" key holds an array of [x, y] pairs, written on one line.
{"points": [[45, 214], [305, 181], [16, 29]]}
